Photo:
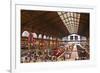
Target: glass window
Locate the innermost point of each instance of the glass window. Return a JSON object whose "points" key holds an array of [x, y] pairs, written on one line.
{"points": [[75, 15], [71, 14], [40, 36], [65, 16], [62, 17], [34, 35], [71, 37], [59, 13], [78, 15], [44, 37], [25, 34], [71, 20], [76, 37]]}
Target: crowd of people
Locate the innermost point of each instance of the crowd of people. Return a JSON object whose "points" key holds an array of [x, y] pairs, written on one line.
{"points": [[60, 53], [83, 51], [48, 54]]}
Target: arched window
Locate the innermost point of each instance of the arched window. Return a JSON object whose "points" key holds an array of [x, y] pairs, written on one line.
{"points": [[25, 34], [71, 37], [44, 37], [40, 36], [34, 35], [47, 37], [50, 38], [76, 37]]}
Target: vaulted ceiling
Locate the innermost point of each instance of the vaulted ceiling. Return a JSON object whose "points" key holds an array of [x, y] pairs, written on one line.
{"points": [[50, 23]]}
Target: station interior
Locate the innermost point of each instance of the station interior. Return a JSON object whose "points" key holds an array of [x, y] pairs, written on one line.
{"points": [[51, 36]]}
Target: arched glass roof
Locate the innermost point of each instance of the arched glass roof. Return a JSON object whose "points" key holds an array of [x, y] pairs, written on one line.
{"points": [[71, 20]]}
